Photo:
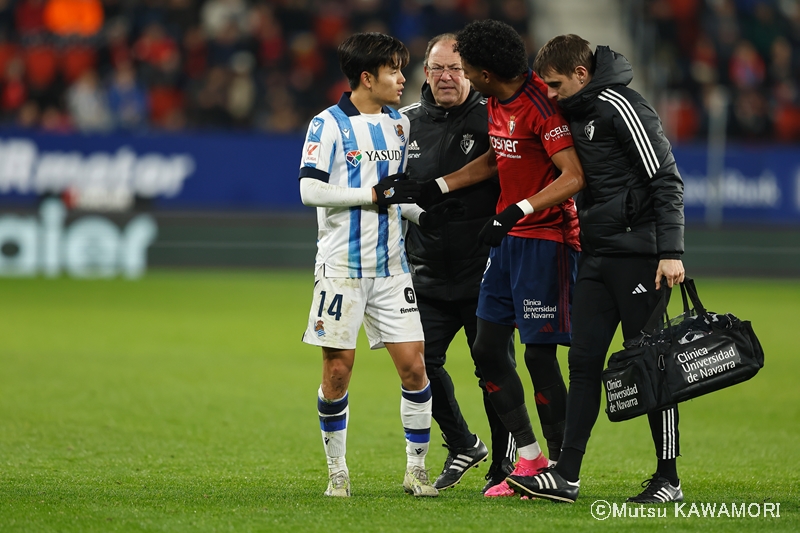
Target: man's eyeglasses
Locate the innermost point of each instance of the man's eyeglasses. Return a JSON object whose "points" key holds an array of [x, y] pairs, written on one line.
{"points": [[437, 70]]}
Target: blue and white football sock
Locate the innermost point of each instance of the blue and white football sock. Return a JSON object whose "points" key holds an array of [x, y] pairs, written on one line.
{"points": [[415, 411], [333, 416]]}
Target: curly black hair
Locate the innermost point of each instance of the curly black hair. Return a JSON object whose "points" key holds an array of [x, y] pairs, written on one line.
{"points": [[494, 46]]}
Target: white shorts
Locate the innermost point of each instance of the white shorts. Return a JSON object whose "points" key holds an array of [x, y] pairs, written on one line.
{"points": [[386, 306]]}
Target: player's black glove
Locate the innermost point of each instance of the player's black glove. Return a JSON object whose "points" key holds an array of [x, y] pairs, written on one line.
{"points": [[430, 194], [440, 214], [396, 189], [499, 225]]}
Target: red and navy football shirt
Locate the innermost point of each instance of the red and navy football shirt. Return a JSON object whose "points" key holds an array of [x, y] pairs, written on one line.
{"points": [[525, 131]]}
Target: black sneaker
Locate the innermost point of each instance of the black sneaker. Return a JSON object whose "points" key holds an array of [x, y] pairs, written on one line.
{"points": [[498, 472], [547, 484], [658, 489], [458, 461]]}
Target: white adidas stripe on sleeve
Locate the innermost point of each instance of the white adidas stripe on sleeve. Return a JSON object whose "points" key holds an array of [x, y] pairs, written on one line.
{"points": [[638, 133], [409, 107]]}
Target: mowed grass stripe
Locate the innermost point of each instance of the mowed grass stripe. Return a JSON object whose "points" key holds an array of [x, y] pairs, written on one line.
{"points": [[186, 402]]}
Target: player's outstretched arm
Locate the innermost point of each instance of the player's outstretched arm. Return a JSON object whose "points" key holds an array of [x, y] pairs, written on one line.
{"points": [[393, 189], [477, 170], [316, 193]]}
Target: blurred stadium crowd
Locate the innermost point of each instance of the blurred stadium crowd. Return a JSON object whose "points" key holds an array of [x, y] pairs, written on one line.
{"points": [[749, 48], [95, 66]]}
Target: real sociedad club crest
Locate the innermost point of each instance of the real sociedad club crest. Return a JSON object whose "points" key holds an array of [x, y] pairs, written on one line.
{"points": [[398, 129], [589, 129], [467, 143], [511, 125]]}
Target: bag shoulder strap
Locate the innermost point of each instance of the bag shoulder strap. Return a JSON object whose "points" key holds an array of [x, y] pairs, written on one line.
{"points": [[688, 286], [656, 320], [659, 315]]}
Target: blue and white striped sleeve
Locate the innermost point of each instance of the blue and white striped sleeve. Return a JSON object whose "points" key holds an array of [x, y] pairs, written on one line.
{"points": [[319, 149]]}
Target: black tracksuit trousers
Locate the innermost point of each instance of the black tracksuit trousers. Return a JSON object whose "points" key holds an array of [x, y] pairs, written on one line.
{"points": [[609, 290], [441, 320]]}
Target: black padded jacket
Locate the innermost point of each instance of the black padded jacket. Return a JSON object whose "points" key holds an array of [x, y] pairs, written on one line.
{"points": [[633, 202], [447, 263]]}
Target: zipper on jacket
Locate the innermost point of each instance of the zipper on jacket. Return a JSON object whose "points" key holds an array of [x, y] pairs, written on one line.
{"points": [[445, 231]]}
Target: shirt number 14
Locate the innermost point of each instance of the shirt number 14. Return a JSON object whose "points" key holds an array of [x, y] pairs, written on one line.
{"points": [[335, 309]]}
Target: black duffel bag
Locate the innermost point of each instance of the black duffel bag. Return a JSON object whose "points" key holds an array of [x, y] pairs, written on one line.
{"points": [[676, 360]]}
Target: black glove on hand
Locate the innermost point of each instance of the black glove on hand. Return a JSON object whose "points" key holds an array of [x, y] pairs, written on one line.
{"points": [[442, 213], [499, 225], [430, 194], [396, 189]]}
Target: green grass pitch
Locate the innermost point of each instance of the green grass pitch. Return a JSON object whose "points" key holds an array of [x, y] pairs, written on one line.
{"points": [[186, 402]]}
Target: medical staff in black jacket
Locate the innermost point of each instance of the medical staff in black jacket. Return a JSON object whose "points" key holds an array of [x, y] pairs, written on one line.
{"points": [[631, 217]]}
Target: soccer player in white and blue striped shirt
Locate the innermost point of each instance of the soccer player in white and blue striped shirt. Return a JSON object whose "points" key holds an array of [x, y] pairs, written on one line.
{"points": [[352, 172]]}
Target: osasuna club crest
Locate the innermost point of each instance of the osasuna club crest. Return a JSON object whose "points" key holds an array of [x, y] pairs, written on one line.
{"points": [[511, 125], [589, 129], [467, 143]]}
